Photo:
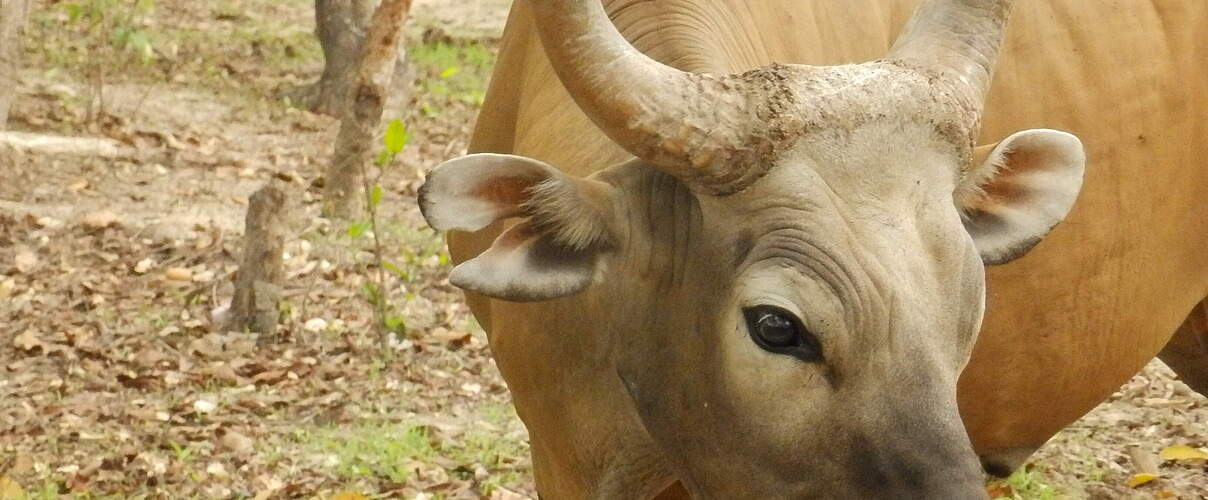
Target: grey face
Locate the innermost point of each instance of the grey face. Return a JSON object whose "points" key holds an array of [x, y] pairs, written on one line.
{"points": [[824, 329]]}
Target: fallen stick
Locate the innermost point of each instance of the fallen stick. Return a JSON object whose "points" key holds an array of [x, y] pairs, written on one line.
{"points": [[55, 145]]}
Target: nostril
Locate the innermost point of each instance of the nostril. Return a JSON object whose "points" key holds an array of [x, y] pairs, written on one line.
{"points": [[996, 469]]}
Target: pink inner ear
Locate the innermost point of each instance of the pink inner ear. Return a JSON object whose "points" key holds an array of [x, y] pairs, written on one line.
{"points": [[471, 192], [505, 191], [1029, 169], [1011, 184], [1026, 187]]}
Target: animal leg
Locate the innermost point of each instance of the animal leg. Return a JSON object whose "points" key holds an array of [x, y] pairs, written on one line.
{"points": [[1187, 351]]}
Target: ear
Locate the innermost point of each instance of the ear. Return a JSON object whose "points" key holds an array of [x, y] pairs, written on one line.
{"points": [[1025, 186], [554, 253]]}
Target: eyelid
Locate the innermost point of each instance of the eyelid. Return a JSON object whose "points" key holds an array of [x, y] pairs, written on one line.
{"points": [[810, 298], [809, 347], [774, 302]]}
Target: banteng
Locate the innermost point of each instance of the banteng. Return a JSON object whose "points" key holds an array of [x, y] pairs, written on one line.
{"points": [[736, 248]]}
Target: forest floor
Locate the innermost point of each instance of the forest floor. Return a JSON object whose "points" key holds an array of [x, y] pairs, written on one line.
{"points": [[116, 383]]}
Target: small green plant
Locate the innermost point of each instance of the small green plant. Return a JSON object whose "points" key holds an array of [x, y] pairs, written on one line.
{"points": [[111, 28], [49, 490], [377, 291], [118, 21], [182, 452]]}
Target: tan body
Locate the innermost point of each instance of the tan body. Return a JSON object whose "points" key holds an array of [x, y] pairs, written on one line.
{"points": [[1065, 325]]}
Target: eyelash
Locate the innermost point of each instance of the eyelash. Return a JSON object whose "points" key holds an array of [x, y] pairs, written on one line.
{"points": [[805, 346]]}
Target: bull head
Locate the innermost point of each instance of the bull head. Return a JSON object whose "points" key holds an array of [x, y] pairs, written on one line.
{"points": [[790, 273]]}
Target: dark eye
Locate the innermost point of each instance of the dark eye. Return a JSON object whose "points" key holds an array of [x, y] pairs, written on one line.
{"points": [[779, 331]]}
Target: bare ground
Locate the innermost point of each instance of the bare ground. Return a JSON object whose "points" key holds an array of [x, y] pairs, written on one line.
{"points": [[114, 382]]}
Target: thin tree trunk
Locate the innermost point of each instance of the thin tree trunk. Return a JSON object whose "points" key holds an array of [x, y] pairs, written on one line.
{"points": [[13, 14], [341, 26], [258, 288], [360, 123]]}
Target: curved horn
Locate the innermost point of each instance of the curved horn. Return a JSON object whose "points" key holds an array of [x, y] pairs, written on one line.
{"points": [[958, 38], [691, 125]]}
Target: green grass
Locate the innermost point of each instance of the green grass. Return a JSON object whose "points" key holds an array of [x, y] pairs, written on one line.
{"points": [[492, 450], [374, 452], [453, 71], [220, 46], [163, 40], [51, 489], [1030, 484], [414, 244]]}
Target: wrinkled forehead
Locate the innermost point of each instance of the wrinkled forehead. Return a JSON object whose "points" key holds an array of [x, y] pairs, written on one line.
{"points": [[893, 165], [875, 190]]}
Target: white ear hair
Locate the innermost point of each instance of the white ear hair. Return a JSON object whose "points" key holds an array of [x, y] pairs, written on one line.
{"points": [[1025, 187], [553, 253], [471, 192]]}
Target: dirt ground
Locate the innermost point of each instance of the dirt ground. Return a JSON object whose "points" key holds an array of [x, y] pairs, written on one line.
{"points": [[117, 254]]}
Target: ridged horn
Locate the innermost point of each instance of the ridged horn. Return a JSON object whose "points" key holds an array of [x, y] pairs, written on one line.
{"points": [[959, 39], [700, 126]]}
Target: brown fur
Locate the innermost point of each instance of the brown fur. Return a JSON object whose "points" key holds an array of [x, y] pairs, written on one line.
{"points": [[1065, 326]]}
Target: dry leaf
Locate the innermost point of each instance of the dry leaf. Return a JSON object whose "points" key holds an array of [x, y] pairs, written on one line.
{"points": [[155, 465], [268, 485], [269, 376], [237, 442], [315, 325], [148, 357], [49, 222], [216, 469], [1143, 460], [348, 495], [1140, 479], [203, 406], [25, 261], [225, 373], [22, 465], [10, 490], [999, 489], [505, 494], [448, 336], [1182, 452], [27, 341], [220, 314], [178, 274], [100, 220], [144, 265]]}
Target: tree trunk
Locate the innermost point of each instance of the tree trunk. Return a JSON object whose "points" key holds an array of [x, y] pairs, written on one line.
{"points": [[13, 14], [341, 26], [258, 288], [360, 123]]}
